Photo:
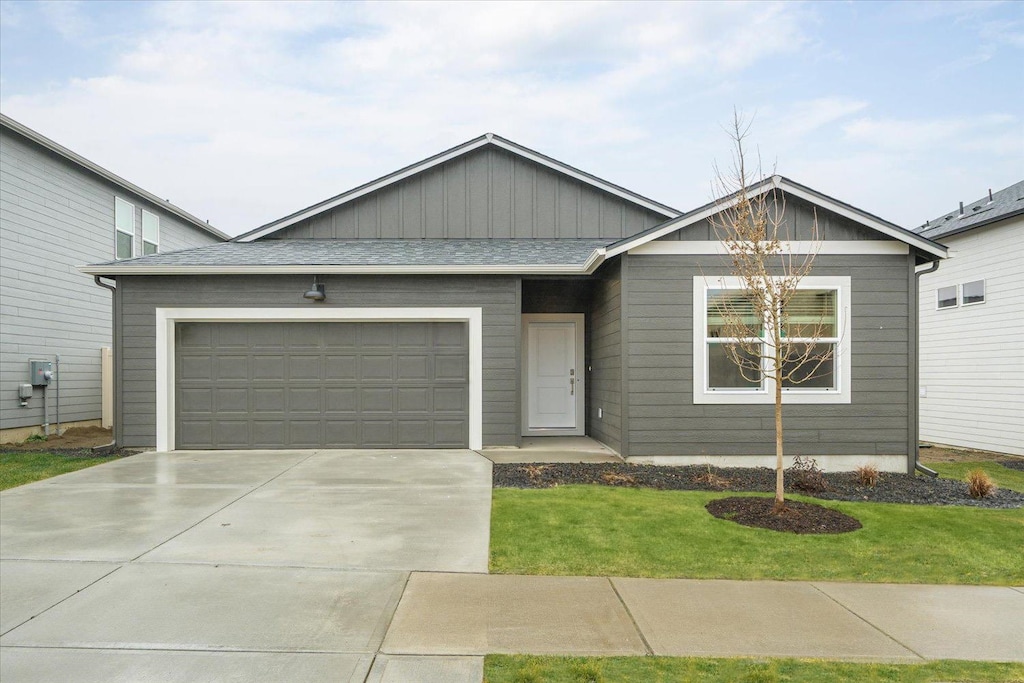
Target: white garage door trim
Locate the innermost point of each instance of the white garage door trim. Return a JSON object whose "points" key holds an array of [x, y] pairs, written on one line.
{"points": [[165, 352]]}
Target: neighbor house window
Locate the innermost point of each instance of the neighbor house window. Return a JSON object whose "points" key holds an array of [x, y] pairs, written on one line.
{"points": [[124, 229], [973, 292], [814, 321], [150, 233], [947, 297]]}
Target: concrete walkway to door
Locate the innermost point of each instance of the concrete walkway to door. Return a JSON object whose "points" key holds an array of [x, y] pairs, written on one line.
{"points": [[248, 565]]}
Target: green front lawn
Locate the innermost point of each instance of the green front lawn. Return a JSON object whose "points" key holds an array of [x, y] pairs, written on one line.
{"points": [[605, 531], [529, 669], [23, 468], [1004, 477]]}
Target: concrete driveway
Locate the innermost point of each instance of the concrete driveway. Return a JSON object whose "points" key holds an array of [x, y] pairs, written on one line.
{"points": [[255, 565]]}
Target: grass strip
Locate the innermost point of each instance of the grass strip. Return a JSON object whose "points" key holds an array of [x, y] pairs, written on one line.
{"points": [[23, 468], [606, 531], [530, 669]]}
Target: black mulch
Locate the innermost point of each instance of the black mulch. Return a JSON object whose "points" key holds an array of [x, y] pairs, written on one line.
{"points": [[74, 452], [891, 487], [796, 517]]}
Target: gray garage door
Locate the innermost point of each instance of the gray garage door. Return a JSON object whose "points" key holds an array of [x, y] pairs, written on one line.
{"points": [[310, 385]]}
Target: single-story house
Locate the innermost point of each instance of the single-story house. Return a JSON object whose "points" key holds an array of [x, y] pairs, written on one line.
{"points": [[490, 293]]}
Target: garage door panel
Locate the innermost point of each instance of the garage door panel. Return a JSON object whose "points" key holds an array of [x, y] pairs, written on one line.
{"points": [[267, 400], [341, 368], [232, 400], [303, 368], [376, 368], [309, 385], [342, 400]]}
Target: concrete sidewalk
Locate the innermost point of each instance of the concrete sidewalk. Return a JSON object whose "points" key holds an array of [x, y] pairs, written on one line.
{"points": [[476, 614]]}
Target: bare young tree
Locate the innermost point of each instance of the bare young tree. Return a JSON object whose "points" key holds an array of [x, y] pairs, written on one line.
{"points": [[768, 326]]}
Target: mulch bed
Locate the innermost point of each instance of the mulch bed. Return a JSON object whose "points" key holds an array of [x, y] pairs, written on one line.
{"points": [[1017, 464], [77, 442], [796, 517], [891, 487]]}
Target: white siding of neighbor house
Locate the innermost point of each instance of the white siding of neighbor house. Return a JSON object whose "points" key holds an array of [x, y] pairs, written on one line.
{"points": [[54, 217], [972, 357]]}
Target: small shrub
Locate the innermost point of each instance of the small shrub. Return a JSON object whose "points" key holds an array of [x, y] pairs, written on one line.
{"points": [[587, 672], [712, 480], [616, 479], [534, 472], [35, 438], [980, 485], [806, 476], [867, 475]]}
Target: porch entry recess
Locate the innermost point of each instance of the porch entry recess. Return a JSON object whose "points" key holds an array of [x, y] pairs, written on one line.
{"points": [[553, 374]]}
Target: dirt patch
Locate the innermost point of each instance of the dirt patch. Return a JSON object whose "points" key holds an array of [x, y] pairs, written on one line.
{"points": [[74, 442], [796, 517], [939, 453]]}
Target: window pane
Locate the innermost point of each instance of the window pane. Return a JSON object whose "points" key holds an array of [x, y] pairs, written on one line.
{"points": [[803, 370], [148, 248], [947, 297], [124, 244], [723, 373], [124, 216], [732, 313], [810, 313], [150, 227], [974, 292]]}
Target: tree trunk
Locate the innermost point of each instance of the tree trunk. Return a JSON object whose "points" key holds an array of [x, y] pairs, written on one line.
{"points": [[780, 489]]}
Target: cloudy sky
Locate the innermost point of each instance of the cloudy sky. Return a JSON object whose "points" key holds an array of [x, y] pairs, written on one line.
{"points": [[242, 113]]}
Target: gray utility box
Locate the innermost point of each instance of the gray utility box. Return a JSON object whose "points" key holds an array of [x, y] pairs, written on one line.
{"points": [[40, 372]]}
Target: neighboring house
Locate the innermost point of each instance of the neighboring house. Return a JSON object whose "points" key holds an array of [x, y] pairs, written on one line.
{"points": [[59, 211], [972, 321], [490, 293]]}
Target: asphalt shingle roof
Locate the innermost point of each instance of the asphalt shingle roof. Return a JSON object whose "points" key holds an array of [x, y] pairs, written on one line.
{"points": [[383, 252], [1005, 203]]}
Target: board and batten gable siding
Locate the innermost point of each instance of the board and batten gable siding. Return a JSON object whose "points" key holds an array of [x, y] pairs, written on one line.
{"points": [[486, 193], [798, 224], [663, 419], [54, 217], [605, 348], [972, 365], [139, 296]]}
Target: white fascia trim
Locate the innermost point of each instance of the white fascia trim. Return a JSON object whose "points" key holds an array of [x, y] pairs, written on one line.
{"points": [[167, 317], [778, 182], [593, 261], [900, 235], [797, 247], [583, 178], [766, 395], [488, 139]]}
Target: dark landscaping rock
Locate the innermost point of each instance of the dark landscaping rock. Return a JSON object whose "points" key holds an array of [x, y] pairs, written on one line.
{"points": [[891, 487]]}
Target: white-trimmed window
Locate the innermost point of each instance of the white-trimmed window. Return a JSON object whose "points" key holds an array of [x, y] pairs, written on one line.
{"points": [[818, 314], [150, 233], [124, 229], [973, 292], [946, 297]]}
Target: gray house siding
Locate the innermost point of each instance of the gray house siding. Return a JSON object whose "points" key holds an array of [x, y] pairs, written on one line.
{"points": [[140, 296], [663, 420], [486, 193], [798, 222], [605, 348], [54, 217]]}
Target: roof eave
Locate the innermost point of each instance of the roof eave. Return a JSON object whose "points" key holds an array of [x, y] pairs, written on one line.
{"points": [[96, 169], [593, 261], [448, 155]]}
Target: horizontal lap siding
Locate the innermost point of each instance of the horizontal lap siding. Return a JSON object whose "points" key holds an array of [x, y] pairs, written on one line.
{"points": [[55, 217], [663, 420], [142, 295], [606, 358]]}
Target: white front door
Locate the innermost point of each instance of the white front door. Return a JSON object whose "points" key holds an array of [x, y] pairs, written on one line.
{"points": [[553, 378]]}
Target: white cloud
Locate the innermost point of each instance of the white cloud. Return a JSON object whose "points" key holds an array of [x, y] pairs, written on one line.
{"points": [[948, 134], [245, 112]]}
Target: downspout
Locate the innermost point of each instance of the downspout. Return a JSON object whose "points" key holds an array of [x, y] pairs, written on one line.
{"points": [[917, 372], [113, 293]]}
